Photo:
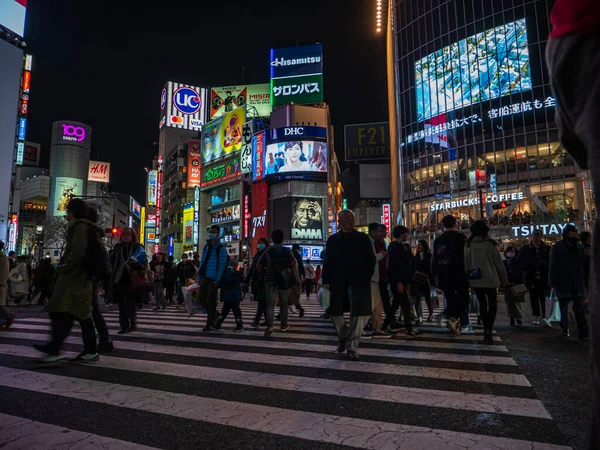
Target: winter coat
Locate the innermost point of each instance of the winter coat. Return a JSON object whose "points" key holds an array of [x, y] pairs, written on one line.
{"points": [[383, 264], [378, 258], [4, 266], [448, 260], [422, 263], [400, 264], [348, 267], [256, 279], [21, 287], [214, 257], [566, 269], [185, 271], [300, 264], [483, 254], [513, 270], [231, 288], [73, 290], [535, 262]]}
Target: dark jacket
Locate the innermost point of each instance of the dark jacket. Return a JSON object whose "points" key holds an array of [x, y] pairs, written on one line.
{"points": [[298, 258], [349, 265], [273, 257], [401, 267], [256, 278], [383, 268], [448, 260], [535, 262], [231, 286], [423, 264], [514, 270], [566, 269], [587, 264], [185, 271]]}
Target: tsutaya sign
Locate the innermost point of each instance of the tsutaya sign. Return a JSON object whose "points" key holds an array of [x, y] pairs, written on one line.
{"points": [[548, 229], [472, 201]]}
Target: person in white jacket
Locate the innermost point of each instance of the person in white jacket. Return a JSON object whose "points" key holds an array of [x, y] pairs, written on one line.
{"points": [[376, 302], [19, 278], [6, 317]]}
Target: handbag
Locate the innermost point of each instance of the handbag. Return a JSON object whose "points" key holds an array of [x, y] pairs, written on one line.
{"points": [[555, 316], [472, 274], [141, 282], [518, 291], [15, 277], [324, 297], [420, 277]]}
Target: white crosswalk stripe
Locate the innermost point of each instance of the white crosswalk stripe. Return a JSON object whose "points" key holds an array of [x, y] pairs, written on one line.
{"points": [[287, 390]]}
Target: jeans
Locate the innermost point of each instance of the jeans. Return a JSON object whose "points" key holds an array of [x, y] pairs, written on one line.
{"points": [[235, 307], [457, 300], [537, 296], [350, 334], [273, 292], [98, 319], [127, 303], [423, 290], [207, 290], [159, 294], [577, 311], [376, 306], [488, 305], [62, 322]]}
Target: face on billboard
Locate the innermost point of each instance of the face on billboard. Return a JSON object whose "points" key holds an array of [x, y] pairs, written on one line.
{"points": [[183, 106], [295, 156], [307, 218], [64, 189], [227, 98], [12, 15], [223, 136]]}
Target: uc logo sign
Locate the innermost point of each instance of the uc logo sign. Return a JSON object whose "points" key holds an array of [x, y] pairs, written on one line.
{"points": [[163, 99], [187, 100]]}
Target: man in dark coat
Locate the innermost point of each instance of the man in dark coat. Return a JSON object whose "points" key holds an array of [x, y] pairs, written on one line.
{"points": [[347, 271]]}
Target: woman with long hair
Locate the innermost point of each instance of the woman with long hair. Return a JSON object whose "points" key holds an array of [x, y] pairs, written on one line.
{"points": [[295, 160], [256, 280], [128, 258], [514, 304], [423, 280], [486, 272]]}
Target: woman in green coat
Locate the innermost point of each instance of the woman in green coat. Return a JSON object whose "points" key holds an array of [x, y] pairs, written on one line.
{"points": [[72, 297]]}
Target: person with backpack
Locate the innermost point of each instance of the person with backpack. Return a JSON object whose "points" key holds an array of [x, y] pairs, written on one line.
{"points": [[102, 275], [278, 263], [231, 290], [185, 271], [448, 269], [256, 280], [72, 298], [212, 267]]}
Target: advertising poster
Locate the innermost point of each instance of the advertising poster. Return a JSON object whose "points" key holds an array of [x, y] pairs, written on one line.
{"points": [[135, 207], [183, 106], [246, 152], [258, 150], [64, 189], [307, 218], [367, 141], [31, 154], [188, 226], [223, 136], [225, 99], [99, 171], [152, 189], [295, 156], [221, 172], [193, 170]]}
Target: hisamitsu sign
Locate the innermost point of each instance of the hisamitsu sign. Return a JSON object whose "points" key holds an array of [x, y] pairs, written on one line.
{"points": [[367, 141]]}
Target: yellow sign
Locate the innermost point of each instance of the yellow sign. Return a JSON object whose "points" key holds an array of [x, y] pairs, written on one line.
{"points": [[142, 224]]}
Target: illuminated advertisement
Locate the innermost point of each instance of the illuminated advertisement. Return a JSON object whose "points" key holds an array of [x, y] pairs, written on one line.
{"points": [[64, 189], [135, 207], [297, 75], [482, 67], [260, 206], [12, 15], [247, 216], [307, 218], [225, 99], [194, 166], [258, 149], [367, 141], [142, 225], [295, 156], [152, 183], [221, 172], [71, 133], [183, 106], [188, 226], [159, 181], [312, 252], [99, 171], [223, 135], [13, 233], [31, 154], [226, 214], [150, 220], [22, 128], [386, 218], [246, 152], [20, 152], [150, 235], [196, 218]]}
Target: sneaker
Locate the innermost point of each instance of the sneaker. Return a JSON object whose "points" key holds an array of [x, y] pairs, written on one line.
{"points": [[284, 327], [419, 321], [353, 356], [239, 327], [381, 335], [106, 347], [268, 331], [207, 329], [395, 327], [536, 320], [51, 359], [86, 358], [546, 323], [390, 332], [254, 324], [367, 334], [467, 329], [411, 332], [565, 333]]}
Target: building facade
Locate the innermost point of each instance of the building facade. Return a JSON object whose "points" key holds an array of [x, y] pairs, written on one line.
{"points": [[472, 115]]}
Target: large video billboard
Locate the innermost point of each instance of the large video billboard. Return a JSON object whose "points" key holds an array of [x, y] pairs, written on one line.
{"points": [[297, 75], [223, 135], [482, 67], [307, 218], [12, 15], [225, 99], [295, 157], [152, 190], [183, 106], [64, 189]]}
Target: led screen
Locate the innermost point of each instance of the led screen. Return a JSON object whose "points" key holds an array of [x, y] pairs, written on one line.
{"points": [[295, 156], [481, 67], [12, 15]]}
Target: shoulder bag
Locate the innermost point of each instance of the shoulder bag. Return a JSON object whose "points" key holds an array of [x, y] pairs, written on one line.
{"points": [[472, 274]]}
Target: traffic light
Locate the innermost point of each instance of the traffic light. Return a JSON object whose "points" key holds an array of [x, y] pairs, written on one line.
{"points": [[114, 231]]}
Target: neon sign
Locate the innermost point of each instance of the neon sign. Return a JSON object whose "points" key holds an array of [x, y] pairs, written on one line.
{"points": [[73, 133], [222, 172]]}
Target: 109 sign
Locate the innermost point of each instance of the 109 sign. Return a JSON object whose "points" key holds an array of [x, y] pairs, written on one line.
{"points": [[187, 100], [73, 133]]}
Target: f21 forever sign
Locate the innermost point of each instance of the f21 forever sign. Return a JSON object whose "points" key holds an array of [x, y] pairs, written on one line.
{"points": [[297, 75]]}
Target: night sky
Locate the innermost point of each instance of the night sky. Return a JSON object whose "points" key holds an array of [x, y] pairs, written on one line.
{"points": [[104, 63]]}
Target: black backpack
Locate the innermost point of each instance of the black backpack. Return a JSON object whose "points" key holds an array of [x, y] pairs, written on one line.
{"points": [[96, 262], [283, 266]]}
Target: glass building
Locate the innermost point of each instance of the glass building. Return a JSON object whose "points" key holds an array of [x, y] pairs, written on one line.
{"points": [[473, 117]]}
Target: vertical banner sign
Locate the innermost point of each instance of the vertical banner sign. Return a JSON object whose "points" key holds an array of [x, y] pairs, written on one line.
{"points": [[260, 205], [13, 233], [246, 216], [246, 151], [142, 225], [194, 165], [196, 218], [386, 219], [188, 226], [152, 191], [258, 149], [23, 109], [158, 194]]}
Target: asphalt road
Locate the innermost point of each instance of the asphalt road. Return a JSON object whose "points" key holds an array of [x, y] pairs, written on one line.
{"points": [[170, 386]]}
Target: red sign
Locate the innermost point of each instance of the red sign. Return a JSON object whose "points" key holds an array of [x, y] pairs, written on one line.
{"points": [[194, 165], [260, 206], [26, 81], [386, 218], [246, 216], [13, 233], [258, 156], [24, 108]]}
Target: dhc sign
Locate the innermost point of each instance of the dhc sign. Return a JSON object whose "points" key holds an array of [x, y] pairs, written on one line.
{"points": [[296, 133]]}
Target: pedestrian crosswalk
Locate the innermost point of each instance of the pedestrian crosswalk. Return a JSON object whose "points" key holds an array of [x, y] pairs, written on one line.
{"points": [[169, 385]]}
